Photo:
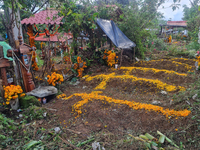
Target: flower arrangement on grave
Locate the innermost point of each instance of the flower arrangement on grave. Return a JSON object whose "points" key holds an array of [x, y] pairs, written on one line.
{"points": [[34, 63], [79, 66], [12, 92], [110, 58], [55, 79], [67, 59]]}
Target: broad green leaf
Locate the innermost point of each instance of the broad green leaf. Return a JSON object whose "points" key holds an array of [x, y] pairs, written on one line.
{"points": [[85, 142], [70, 11], [171, 142], [154, 144], [168, 140], [161, 139], [149, 136], [31, 143], [158, 132], [143, 137], [147, 144], [19, 5], [122, 16]]}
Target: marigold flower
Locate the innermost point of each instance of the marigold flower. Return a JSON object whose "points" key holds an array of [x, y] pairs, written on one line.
{"points": [[134, 105], [111, 58], [22, 95]]}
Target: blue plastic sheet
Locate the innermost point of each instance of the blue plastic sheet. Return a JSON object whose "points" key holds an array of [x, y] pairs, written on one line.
{"points": [[115, 34]]}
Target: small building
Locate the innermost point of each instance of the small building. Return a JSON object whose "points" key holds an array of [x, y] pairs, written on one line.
{"points": [[171, 26]]}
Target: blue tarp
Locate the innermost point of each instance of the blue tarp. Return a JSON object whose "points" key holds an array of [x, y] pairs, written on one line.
{"points": [[5, 48], [115, 34]]}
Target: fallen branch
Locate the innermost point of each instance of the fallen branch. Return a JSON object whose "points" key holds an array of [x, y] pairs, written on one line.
{"points": [[71, 145], [74, 131], [51, 109]]}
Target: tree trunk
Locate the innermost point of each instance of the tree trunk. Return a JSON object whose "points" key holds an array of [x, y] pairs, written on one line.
{"points": [[75, 45], [9, 27]]}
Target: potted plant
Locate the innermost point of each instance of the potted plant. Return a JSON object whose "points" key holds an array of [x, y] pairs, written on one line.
{"points": [[12, 93]]}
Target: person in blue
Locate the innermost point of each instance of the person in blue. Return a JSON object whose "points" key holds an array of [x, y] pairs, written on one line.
{"points": [[5, 48]]}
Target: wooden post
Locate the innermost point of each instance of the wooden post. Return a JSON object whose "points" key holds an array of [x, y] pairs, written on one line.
{"points": [[121, 57], [134, 54], [1, 89], [1, 52], [110, 44], [3, 64], [4, 77]]}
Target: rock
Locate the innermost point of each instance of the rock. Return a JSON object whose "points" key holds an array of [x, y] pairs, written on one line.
{"points": [[84, 87], [147, 58], [156, 102], [188, 102], [27, 101], [76, 83], [57, 129], [115, 110], [137, 59], [40, 122], [194, 97], [96, 145], [20, 115], [14, 104], [163, 92], [45, 114], [43, 91]]}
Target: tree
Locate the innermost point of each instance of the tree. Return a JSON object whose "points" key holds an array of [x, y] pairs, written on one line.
{"points": [[136, 18], [79, 19], [2, 29], [9, 15], [31, 7], [191, 15], [8, 18]]}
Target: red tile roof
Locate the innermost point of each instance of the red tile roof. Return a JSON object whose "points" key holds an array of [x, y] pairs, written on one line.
{"points": [[48, 16], [54, 38], [177, 23]]}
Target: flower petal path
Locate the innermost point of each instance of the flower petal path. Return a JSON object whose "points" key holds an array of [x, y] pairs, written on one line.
{"points": [[134, 105], [159, 84], [151, 69], [166, 64]]}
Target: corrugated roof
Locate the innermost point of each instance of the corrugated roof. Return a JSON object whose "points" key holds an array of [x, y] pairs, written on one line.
{"points": [[177, 23], [54, 38], [48, 16]]}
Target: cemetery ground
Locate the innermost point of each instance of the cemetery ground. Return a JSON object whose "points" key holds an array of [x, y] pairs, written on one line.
{"points": [[112, 106]]}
